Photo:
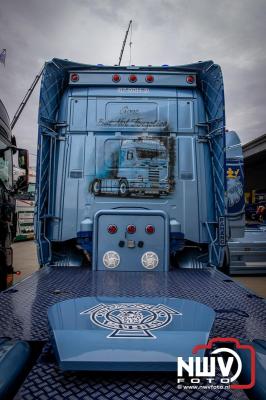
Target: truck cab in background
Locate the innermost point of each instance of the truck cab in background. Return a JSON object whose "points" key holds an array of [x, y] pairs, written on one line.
{"points": [[25, 202], [8, 190]]}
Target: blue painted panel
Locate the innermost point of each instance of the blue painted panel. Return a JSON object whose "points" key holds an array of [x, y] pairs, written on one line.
{"points": [[131, 111], [76, 157], [78, 114], [158, 114], [185, 116], [185, 158], [103, 333]]}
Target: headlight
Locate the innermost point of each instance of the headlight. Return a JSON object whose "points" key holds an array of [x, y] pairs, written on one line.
{"points": [[111, 259], [150, 260]]}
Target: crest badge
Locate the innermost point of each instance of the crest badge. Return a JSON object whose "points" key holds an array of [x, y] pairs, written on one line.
{"points": [[131, 320]]}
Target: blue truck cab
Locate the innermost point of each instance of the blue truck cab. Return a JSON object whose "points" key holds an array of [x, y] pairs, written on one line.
{"points": [[132, 166]]}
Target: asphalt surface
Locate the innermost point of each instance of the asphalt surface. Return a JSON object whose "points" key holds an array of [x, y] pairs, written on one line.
{"points": [[25, 261]]}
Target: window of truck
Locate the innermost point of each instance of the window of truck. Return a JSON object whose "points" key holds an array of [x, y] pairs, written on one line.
{"points": [[5, 165], [130, 155], [145, 153]]}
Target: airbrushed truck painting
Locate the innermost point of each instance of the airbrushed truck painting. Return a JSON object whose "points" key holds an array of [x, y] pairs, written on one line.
{"points": [[142, 166]]}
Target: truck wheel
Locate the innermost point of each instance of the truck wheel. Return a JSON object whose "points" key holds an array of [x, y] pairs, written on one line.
{"points": [[96, 187], [123, 188], [226, 261]]}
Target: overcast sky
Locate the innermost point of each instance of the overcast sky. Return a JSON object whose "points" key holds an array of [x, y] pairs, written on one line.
{"points": [[230, 32]]}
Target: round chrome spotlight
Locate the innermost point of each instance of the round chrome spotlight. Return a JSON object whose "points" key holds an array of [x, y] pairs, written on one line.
{"points": [[150, 260], [111, 259]]}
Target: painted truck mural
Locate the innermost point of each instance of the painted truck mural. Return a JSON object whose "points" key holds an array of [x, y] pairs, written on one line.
{"points": [[141, 167]]}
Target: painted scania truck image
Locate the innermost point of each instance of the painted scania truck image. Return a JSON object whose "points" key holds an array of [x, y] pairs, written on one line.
{"points": [[138, 167], [138, 189]]}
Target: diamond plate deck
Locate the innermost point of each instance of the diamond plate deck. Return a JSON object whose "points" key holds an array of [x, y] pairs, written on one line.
{"points": [[23, 308], [23, 315], [47, 382]]}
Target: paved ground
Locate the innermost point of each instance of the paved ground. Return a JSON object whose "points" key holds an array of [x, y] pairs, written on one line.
{"points": [[255, 283], [25, 260]]}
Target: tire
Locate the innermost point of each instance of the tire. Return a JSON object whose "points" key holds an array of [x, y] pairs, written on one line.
{"points": [[123, 189], [226, 261], [96, 187]]}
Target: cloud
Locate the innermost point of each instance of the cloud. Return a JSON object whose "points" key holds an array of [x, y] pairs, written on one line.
{"points": [[232, 33]]}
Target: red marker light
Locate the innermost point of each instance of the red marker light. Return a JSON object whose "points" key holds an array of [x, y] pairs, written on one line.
{"points": [[112, 229], [149, 78], [74, 77], [133, 78], [150, 229], [190, 79], [131, 229], [18, 272], [116, 78]]}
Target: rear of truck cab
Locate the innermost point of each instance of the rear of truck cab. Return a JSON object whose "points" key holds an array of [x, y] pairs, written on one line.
{"points": [[130, 142]]}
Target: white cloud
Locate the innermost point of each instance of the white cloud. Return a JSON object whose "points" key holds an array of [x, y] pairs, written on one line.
{"points": [[232, 33]]}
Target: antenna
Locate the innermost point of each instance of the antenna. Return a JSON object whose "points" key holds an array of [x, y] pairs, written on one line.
{"points": [[25, 99], [124, 43]]}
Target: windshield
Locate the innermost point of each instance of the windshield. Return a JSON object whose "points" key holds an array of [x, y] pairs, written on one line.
{"points": [[145, 153], [31, 188], [5, 165], [29, 195]]}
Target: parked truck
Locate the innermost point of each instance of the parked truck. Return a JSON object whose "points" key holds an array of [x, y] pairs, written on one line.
{"points": [[8, 190], [130, 276], [25, 209]]}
